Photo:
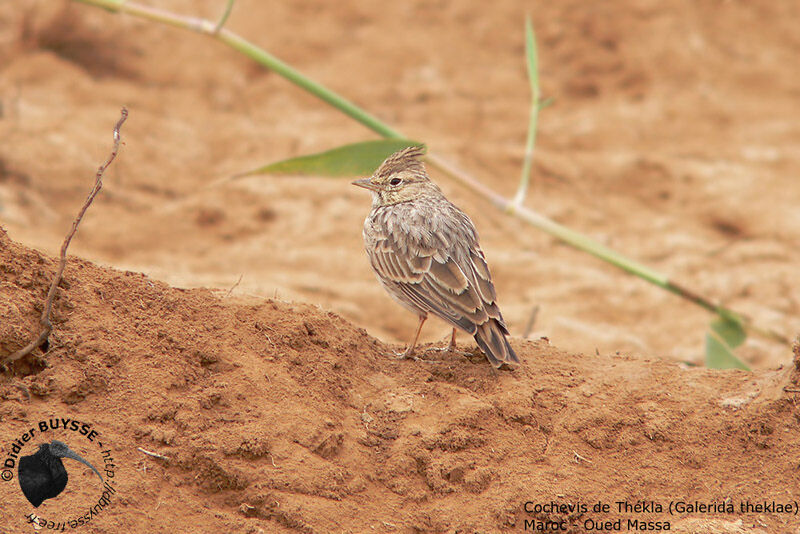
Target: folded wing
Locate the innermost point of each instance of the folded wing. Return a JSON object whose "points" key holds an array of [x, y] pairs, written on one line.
{"points": [[454, 285]]}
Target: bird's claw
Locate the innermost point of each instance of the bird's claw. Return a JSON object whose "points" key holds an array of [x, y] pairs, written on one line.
{"points": [[405, 355]]}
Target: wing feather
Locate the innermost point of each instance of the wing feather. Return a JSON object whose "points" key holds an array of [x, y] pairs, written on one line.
{"points": [[451, 282]]}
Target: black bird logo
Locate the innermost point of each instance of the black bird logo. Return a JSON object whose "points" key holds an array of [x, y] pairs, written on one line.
{"points": [[42, 475]]}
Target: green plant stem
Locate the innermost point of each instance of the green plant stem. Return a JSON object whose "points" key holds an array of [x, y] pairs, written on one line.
{"points": [[569, 236], [553, 228], [532, 63], [225, 14], [252, 51], [527, 162]]}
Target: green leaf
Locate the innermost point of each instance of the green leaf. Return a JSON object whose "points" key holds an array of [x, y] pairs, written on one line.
{"points": [[724, 336], [730, 331], [357, 159]]}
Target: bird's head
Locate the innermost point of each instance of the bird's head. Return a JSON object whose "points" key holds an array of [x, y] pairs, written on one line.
{"points": [[400, 178]]}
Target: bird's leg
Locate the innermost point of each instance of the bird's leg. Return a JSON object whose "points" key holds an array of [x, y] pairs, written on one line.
{"points": [[410, 350]]}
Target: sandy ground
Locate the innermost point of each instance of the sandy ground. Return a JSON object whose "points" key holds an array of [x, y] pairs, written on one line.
{"points": [[673, 138]]}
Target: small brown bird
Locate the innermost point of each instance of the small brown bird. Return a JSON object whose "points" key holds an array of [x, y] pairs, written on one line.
{"points": [[425, 253]]}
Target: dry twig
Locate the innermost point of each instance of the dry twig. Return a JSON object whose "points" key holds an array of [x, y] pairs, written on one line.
{"points": [[579, 458], [44, 320], [531, 321], [153, 454], [234, 286]]}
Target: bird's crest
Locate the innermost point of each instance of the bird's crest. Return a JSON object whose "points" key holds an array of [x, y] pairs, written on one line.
{"points": [[407, 159]]}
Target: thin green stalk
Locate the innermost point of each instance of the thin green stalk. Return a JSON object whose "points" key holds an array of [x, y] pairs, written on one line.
{"points": [[320, 91], [533, 79], [586, 244], [571, 237], [255, 53], [224, 18]]}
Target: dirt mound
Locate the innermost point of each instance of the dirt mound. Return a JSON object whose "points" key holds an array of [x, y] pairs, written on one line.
{"points": [[278, 417], [681, 156]]}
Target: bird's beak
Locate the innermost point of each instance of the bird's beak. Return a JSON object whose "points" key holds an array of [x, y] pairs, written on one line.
{"points": [[366, 184]]}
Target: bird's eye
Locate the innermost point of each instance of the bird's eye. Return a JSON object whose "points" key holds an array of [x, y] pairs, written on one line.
{"points": [[395, 181]]}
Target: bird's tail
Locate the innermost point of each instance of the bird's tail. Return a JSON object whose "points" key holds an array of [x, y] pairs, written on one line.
{"points": [[491, 338]]}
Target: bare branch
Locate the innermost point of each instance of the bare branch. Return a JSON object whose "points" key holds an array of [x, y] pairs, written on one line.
{"points": [[44, 320]]}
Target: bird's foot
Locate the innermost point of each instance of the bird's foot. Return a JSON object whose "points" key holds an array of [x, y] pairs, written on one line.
{"points": [[404, 355], [449, 349], [409, 355]]}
